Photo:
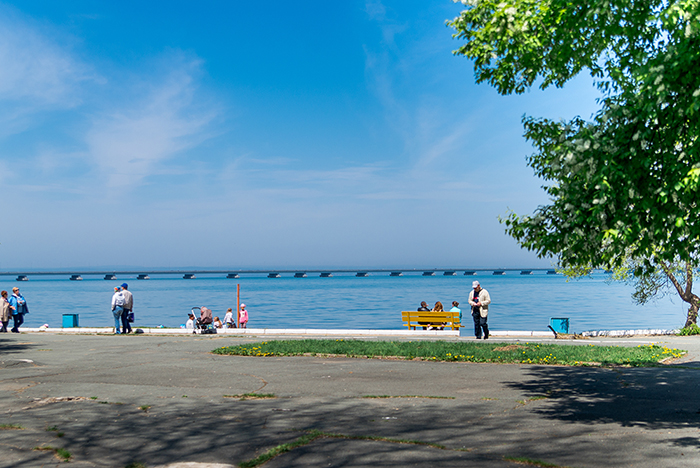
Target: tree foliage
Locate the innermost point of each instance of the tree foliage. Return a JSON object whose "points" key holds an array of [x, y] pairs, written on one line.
{"points": [[624, 187]]}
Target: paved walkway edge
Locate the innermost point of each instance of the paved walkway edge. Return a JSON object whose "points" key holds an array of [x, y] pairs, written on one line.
{"points": [[255, 331], [340, 332]]}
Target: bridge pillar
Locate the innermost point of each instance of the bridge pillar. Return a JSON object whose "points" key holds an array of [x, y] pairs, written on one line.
{"points": [[76, 278], [273, 275], [300, 274], [143, 277], [396, 273], [361, 274], [110, 277], [232, 275], [189, 276], [326, 275], [469, 273], [22, 278], [499, 272]]}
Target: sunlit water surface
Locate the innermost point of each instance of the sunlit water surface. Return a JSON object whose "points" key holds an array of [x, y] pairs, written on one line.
{"points": [[520, 302]]}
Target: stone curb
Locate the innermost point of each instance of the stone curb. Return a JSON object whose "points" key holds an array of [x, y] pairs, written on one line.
{"points": [[251, 331], [341, 332]]}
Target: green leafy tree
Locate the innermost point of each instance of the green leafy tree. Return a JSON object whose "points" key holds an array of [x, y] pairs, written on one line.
{"points": [[624, 187]]}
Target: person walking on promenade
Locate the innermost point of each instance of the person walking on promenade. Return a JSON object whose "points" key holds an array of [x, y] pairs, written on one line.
{"points": [[117, 308], [244, 317], [18, 306], [4, 311], [479, 300], [128, 308]]}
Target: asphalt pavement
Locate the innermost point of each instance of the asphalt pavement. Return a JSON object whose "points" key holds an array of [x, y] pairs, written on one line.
{"points": [[155, 401]]}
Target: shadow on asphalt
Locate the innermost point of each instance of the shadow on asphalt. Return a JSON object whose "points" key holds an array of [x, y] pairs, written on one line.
{"points": [[657, 398], [11, 346], [202, 430]]}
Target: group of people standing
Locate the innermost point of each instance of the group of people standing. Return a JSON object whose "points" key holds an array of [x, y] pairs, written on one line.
{"points": [[479, 300], [122, 309], [16, 307]]}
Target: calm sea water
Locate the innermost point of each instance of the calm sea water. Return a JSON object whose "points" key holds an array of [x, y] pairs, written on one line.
{"points": [[345, 301]]}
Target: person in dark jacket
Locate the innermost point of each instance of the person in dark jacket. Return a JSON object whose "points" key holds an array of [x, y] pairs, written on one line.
{"points": [[424, 308], [128, 308]]}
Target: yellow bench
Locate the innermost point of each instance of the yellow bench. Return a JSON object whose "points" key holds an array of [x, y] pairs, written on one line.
{"points": [[415, 319]]}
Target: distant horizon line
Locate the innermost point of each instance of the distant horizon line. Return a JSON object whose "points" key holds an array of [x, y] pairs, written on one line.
{"points": [[200, 270], [112, 268]]}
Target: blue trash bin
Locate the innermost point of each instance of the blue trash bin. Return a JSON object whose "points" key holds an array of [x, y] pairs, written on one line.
{"points": [[560, 324], [70, 320]]}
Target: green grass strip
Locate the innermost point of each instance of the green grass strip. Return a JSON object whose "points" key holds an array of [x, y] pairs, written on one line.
{"points": [[410, 396], [273, 452], [10, 427], [313, 435], [383, 439], [531, 462], [60, 452], [252, 396], [520, 353]]}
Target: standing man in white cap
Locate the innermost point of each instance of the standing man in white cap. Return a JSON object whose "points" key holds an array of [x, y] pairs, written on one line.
{"points": [[128, 308], [479, 299]]}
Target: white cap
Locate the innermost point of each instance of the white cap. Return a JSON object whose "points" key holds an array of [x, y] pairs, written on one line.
{"points": [[475, 284], [242, 306]]}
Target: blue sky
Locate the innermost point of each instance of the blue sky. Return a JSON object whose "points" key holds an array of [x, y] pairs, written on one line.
{"points": [[234, 134]]}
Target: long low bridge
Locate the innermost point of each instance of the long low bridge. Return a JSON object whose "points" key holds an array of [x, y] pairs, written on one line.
{"points": [[77, 275]]}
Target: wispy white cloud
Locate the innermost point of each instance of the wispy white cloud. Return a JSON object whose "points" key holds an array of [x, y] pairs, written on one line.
{"points": [[375, 10], [119, 124], [37, 71], [128, 142]]}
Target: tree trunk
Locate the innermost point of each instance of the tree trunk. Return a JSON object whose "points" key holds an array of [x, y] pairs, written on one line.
{"points": [[684, 291], [692, 313]]}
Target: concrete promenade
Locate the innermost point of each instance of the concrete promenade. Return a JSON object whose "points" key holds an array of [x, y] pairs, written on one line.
{"points": [[164, 400]]}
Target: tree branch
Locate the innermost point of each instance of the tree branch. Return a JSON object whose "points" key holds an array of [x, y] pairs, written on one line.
{"points": [[667, 270]]}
